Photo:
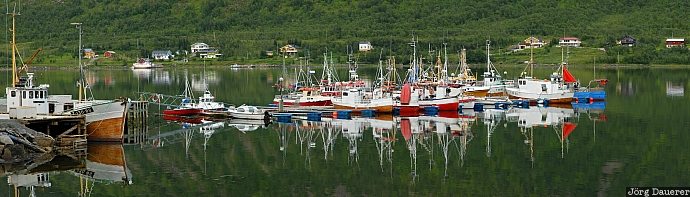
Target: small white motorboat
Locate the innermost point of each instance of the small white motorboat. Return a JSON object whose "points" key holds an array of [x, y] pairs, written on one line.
{"points": [[144, 63], [248, 112]]}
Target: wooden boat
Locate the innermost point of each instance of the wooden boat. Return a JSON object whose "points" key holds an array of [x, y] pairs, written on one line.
{"points": [[248, 112]]}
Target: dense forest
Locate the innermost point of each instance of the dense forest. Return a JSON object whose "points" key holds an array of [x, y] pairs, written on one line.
{"points": [[246, 29]]}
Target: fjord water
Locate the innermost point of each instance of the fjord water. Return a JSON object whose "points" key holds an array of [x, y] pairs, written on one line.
{"points": [[639, 139]]}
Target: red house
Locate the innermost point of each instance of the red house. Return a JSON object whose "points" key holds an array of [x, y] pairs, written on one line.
{"points": [[109, 54], [675, 42]]}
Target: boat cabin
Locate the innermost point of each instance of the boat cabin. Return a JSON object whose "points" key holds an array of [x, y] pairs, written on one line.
{"points": [[28, 96]]}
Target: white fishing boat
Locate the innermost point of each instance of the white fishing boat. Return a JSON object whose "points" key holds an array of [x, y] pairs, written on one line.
{"points": [[247, 112], [105, 119], [144, 63], [361, 99], [557, 89], [207, 103]]}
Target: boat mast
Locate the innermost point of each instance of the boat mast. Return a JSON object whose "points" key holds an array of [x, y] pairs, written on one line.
{"points": [[488, 60], [444, 70], [80, 83], [13, 45], [531, 57]]}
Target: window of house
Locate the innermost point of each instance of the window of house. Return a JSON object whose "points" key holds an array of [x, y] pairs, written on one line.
{"points": [[543, 87], [23, 94], [31, 94], [13, 93]]}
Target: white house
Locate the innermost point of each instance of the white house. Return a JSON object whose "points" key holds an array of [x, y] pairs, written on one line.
{"points": [[365, 46], [209, 53], [199, 46], [530, 42], [569, 41], [162, 55]]}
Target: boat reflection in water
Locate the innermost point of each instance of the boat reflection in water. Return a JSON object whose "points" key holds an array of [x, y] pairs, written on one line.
{"points": [[103, 164], [425, 134], [427, 138], [557, 118]]}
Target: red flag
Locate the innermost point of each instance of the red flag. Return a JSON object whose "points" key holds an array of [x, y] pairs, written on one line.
{"points": [[569, 78]]}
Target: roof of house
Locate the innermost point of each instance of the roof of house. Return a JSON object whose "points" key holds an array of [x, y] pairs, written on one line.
{"points": [[365, 42], [208, 51], [164, 52], [199, 43], [675, 40], [570, 38], [88, 50]]}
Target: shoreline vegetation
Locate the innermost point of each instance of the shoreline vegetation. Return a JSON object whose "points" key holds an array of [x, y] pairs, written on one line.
{"points": [[254, 32]]}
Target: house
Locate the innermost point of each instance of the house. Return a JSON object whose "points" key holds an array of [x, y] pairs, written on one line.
{"points": [[89, 53], [627, 40], [569, 42], [365, 46], [209, 53], [530, 42], [109, 54], [269, 53], [289, 50], [199, 46], [675, 42], [162, 55]]}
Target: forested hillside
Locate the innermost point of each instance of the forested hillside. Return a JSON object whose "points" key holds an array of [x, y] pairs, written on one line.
{"points": [[245, 29]]}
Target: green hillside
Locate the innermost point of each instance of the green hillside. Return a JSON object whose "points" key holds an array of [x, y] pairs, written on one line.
{"points": [[244, 30]]}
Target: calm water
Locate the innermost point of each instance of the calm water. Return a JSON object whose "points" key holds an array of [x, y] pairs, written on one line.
{"points": [[637, 138]]}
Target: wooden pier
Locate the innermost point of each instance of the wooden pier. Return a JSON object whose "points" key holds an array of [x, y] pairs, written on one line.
{"points": [[136, 123]]}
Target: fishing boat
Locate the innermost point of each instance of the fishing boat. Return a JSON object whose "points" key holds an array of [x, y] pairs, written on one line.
{"points": [[144, 63], [105, 119], [492, 85], [306, 96], [557, 89], [304, 92], [408, 102], [187, 107], [207, 103], [248, 112], [359, 99]]}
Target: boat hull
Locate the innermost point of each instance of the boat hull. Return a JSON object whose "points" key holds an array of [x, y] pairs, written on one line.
{"points": [[309, 103], [377, 108], [182, 112], [106, 121], [566, 97], [444, 104]]}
